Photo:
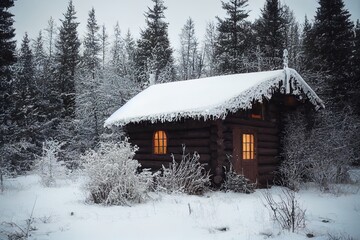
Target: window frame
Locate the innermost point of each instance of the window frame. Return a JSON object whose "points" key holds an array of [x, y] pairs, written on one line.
{"points": [[251, 149], [159, 143]]}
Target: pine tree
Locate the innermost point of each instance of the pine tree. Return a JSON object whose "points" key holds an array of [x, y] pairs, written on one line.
{"points": [[104, 44], [188, 59], [53, 90], [232, 37], [7, 34], [210, 50], [154, 54], [307, 44], [7, 59], [271, 34], [40, 59], [292, 38], [24, 126], [67, 58], [129, 56], [88, 82], [332, 47], [356, 68]]}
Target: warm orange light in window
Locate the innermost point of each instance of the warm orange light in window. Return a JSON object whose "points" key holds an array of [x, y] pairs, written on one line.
{"points": [[248, 146], [256, 116], [160, 142]]}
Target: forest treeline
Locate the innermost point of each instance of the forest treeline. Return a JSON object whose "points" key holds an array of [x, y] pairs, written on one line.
{"points": [[60, 87]]}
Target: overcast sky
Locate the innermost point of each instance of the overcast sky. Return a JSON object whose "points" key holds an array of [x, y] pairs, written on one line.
{"points": [[32, 15]]}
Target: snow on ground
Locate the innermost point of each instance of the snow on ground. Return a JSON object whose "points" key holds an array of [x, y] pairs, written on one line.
{"points": [[61, 213]]}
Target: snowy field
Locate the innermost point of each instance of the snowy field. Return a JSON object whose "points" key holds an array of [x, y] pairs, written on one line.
{"points": [[61, 213]]}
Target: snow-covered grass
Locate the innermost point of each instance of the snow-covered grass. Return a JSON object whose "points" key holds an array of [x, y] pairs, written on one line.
{"points": [[61, 213]]}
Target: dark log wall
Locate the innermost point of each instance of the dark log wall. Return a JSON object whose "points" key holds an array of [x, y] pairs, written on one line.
{"points": [[213, 140], [268, 140], [196, 135]]}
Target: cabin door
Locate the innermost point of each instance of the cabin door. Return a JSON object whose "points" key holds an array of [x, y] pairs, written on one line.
{"points": [[244, 153]]}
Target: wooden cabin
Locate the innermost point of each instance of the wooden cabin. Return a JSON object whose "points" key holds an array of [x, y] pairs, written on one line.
{"points": [[232, 118]]}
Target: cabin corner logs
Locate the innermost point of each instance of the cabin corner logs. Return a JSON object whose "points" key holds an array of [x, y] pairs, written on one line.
{"points": [[219, 141]]}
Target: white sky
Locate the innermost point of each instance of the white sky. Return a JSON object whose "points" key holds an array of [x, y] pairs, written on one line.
{"points": [[32, 15]]}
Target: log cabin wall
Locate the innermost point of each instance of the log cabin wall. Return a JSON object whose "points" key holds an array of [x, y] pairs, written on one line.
{"points": [[196, 135], [268, 140], [213, 140]]}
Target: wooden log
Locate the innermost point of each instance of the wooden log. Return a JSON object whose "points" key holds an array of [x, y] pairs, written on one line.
{"points": [[153, 157], [176, 150], [268, 151], [176, 143], [265, 180], [204, 158], [202, 133], [179, 125], [190, 149], [250, 123], [197, 133], [263, 160], [267, 169], [201, 142], [268, 138], [268, 144], [154, 165]]}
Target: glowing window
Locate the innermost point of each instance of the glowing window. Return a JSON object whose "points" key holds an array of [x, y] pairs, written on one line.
{"points": [[160, 142], [248, 147]]}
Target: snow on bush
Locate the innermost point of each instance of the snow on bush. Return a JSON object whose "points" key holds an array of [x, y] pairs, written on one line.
{"points": [[188, 176], [237, 182], [323, 153], [48, 165], [294, 167], [113, 175]]}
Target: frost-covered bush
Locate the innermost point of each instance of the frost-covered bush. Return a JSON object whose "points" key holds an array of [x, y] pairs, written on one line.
{"points": [[113, 176], [296, 148], [321, 153], [237, 182], [48, 165], [189, 176]]}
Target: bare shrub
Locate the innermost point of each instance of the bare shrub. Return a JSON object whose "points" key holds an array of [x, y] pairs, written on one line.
{"points": [[237, 182], [286, 211], [113, 176], [339, 236], [188, 176], [15, 231]]}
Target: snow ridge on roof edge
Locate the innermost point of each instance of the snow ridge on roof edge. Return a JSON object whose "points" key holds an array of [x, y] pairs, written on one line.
{"points": [[243, 101]]}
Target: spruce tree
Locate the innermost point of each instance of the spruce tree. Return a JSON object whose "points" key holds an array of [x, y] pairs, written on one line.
{"points": [[271, 34], [232, 37], [7, 59], [292, 38], [188, 59], [154, 54], [210, 63], [67, 58], [24, 113], [7, 34], [88, 81], [332, 35], [307, 45], [356, 68]]}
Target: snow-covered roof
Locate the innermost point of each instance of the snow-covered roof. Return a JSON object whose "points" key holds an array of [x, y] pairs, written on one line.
{"points": [[212, 97]]}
